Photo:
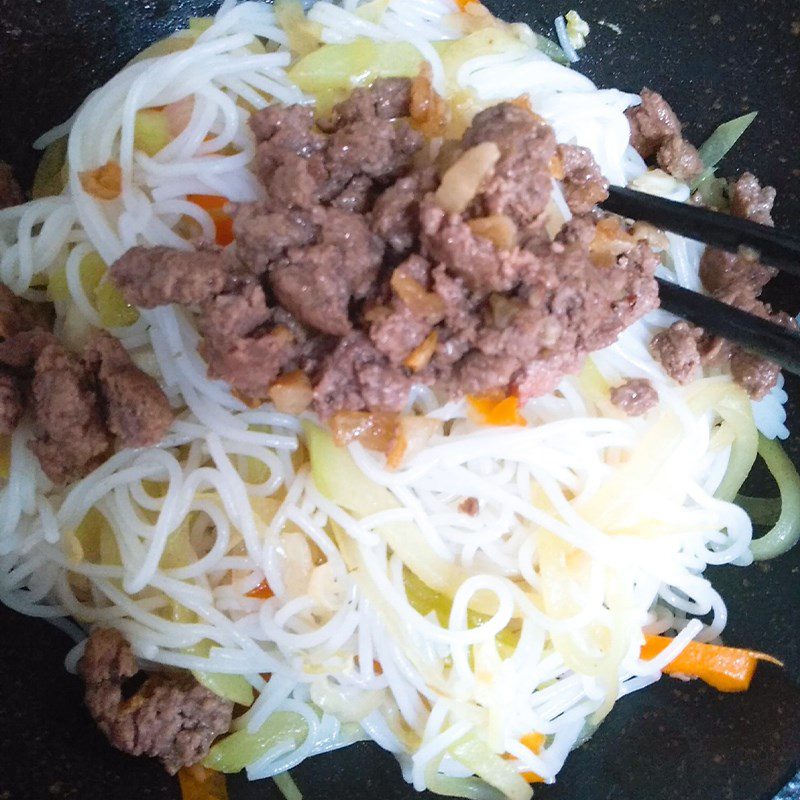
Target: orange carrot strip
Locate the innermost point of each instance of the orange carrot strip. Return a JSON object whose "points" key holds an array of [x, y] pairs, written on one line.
{"points": [[727, 669], [199, 783], [496, 410], [261, 592], [214, 205], [534, 742]]}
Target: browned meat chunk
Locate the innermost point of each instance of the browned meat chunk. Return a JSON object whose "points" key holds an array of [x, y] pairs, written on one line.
{"points": [[10, 193], [137, 410], [680, 158], [264, 236], [18, 314], [241, 347], [738, 279], [387, 98], [155, 276], [584, 184], [652, 123], [676, 349], [448, 239], [11, 402], [635, 397], [171, 717], [750, 201], [355, 376], [395, 215], [317, 283], [71, 438], [521, 184], [753, 373]]}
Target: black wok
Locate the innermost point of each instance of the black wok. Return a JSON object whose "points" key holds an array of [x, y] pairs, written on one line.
{"points": [[713, 59]]}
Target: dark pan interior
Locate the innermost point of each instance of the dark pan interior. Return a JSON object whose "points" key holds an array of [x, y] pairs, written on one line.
{"points": [[713, 60]]}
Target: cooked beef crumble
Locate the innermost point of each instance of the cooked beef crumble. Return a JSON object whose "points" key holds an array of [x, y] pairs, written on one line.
{"points": [[371, 268]]}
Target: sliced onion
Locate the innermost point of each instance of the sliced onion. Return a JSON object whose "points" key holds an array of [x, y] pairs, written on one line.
{"points": [[422, 303], [499, 229], [420, 356], [462, 181], [375, 430], [104, 183], [429, 111], [292, 393]]}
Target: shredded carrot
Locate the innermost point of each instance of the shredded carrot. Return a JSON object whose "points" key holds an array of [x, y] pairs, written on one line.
{"points": [[727, 669], [261, 592], [376, 665], [462, 4], [215, 205], [534, 742], [199, 783], [496, 409]]}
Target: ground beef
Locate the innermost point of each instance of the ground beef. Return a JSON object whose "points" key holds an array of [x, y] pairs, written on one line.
{"points": [[18, 314], [656, 131], [584, 185], [242, 345], [356, 376], [738, 279], [749, 200], [677, 350], [756, 375], [395, 215], [11, 402], [521, 183], [136, 409], [635, 397], [155, 276], [349, 264], [387, 98], [652, 123], [171, 717], [10, 193], [680, 158], [470, 506], [71, 436]]}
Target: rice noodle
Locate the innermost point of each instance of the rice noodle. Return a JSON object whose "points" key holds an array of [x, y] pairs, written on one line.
{"points": [[591, 527]]}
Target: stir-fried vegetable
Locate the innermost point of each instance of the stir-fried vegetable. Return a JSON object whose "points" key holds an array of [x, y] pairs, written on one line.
{"points": [[727, 669], [237, 750], [713, 150], [231, 687], [287, 786], [215, 206], [786, 530], [199, 783], [476, 755], [494, 410], [51, 173]]}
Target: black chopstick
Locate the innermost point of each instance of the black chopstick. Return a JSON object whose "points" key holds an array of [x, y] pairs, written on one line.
{"points": [[760, 336], [773, 247]]}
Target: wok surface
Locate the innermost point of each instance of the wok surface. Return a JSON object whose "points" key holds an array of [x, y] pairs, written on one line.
{"points": [[712, 61]]}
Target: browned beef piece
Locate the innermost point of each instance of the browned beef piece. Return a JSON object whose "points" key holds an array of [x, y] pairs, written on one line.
{"points": [[380, 149], [656, 131], [387, 98], [679, 158], [584, 184], [521, 184], [137, 410], [171, 717], [155, 276], [71, 437], [21, 350], [264, 236], [10, 193], [357, 196], [395, 215], [316, 283], [738, 279], [652, 123], [635, 397], [18, 314], [677, 350], [753, 373], [12, 404], [749, 200], [355, 376], [241, 345], [290, 128], [448, 239]]}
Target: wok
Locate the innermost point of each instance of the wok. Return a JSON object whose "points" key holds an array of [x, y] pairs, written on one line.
{"points": [[713, 60]]}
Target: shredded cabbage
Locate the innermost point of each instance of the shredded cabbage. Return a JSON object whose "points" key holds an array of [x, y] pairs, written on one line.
{"points": [[786, 532]]}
